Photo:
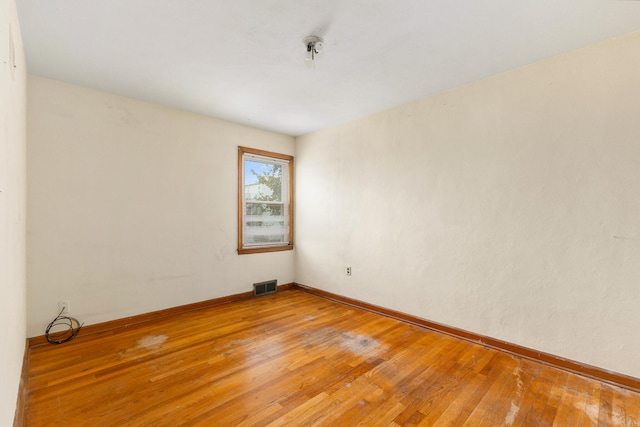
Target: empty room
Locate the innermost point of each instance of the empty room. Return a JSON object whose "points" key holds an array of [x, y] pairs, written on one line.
{"points": [[332, 213]]}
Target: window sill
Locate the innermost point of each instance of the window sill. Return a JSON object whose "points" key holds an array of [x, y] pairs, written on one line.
{"points": [[244, 251]]}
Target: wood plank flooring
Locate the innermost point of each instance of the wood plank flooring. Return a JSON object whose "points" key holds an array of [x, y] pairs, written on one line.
{"points": [[296, 359]]}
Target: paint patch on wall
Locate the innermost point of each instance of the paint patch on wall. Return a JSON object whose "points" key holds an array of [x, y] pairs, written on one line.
{"points": [[12, 54]]}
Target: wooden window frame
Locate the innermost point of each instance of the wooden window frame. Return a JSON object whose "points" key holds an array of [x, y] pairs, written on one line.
{"points": [[272, 248]]}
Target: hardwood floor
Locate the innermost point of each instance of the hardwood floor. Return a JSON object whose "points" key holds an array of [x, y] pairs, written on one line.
{"points": [[296, 359]]}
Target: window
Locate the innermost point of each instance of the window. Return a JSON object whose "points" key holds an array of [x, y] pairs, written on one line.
{"points": [[265, 201]]}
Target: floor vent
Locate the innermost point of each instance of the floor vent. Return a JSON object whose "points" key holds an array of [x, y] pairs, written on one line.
{"points": [[264, 288]]}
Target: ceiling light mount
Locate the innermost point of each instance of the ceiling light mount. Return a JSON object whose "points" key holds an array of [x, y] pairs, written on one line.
{"points": [[314, 46]]}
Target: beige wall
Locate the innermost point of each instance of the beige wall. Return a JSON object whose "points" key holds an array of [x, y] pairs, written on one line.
{"points": [[132, 206], [508, 207], [12, 210]]}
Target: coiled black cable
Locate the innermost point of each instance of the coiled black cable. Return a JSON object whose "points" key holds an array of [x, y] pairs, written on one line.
{"points": [[62, 336]]}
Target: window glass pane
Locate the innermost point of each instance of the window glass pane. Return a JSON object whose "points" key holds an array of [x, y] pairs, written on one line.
{"points": [[263, 181], [265, 195]]}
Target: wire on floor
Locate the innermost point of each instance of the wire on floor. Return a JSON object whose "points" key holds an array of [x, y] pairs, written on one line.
{"points": [[59, 336]]}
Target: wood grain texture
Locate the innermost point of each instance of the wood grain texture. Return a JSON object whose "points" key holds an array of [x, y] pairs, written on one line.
{"points": [[590, 371], [155, 315], [293, 358]]}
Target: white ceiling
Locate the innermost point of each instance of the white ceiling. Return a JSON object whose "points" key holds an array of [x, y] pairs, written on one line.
{"points": [[243, 60]]}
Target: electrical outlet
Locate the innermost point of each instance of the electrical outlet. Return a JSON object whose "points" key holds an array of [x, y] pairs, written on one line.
{"points": [[348, 271], [63, 307]]}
